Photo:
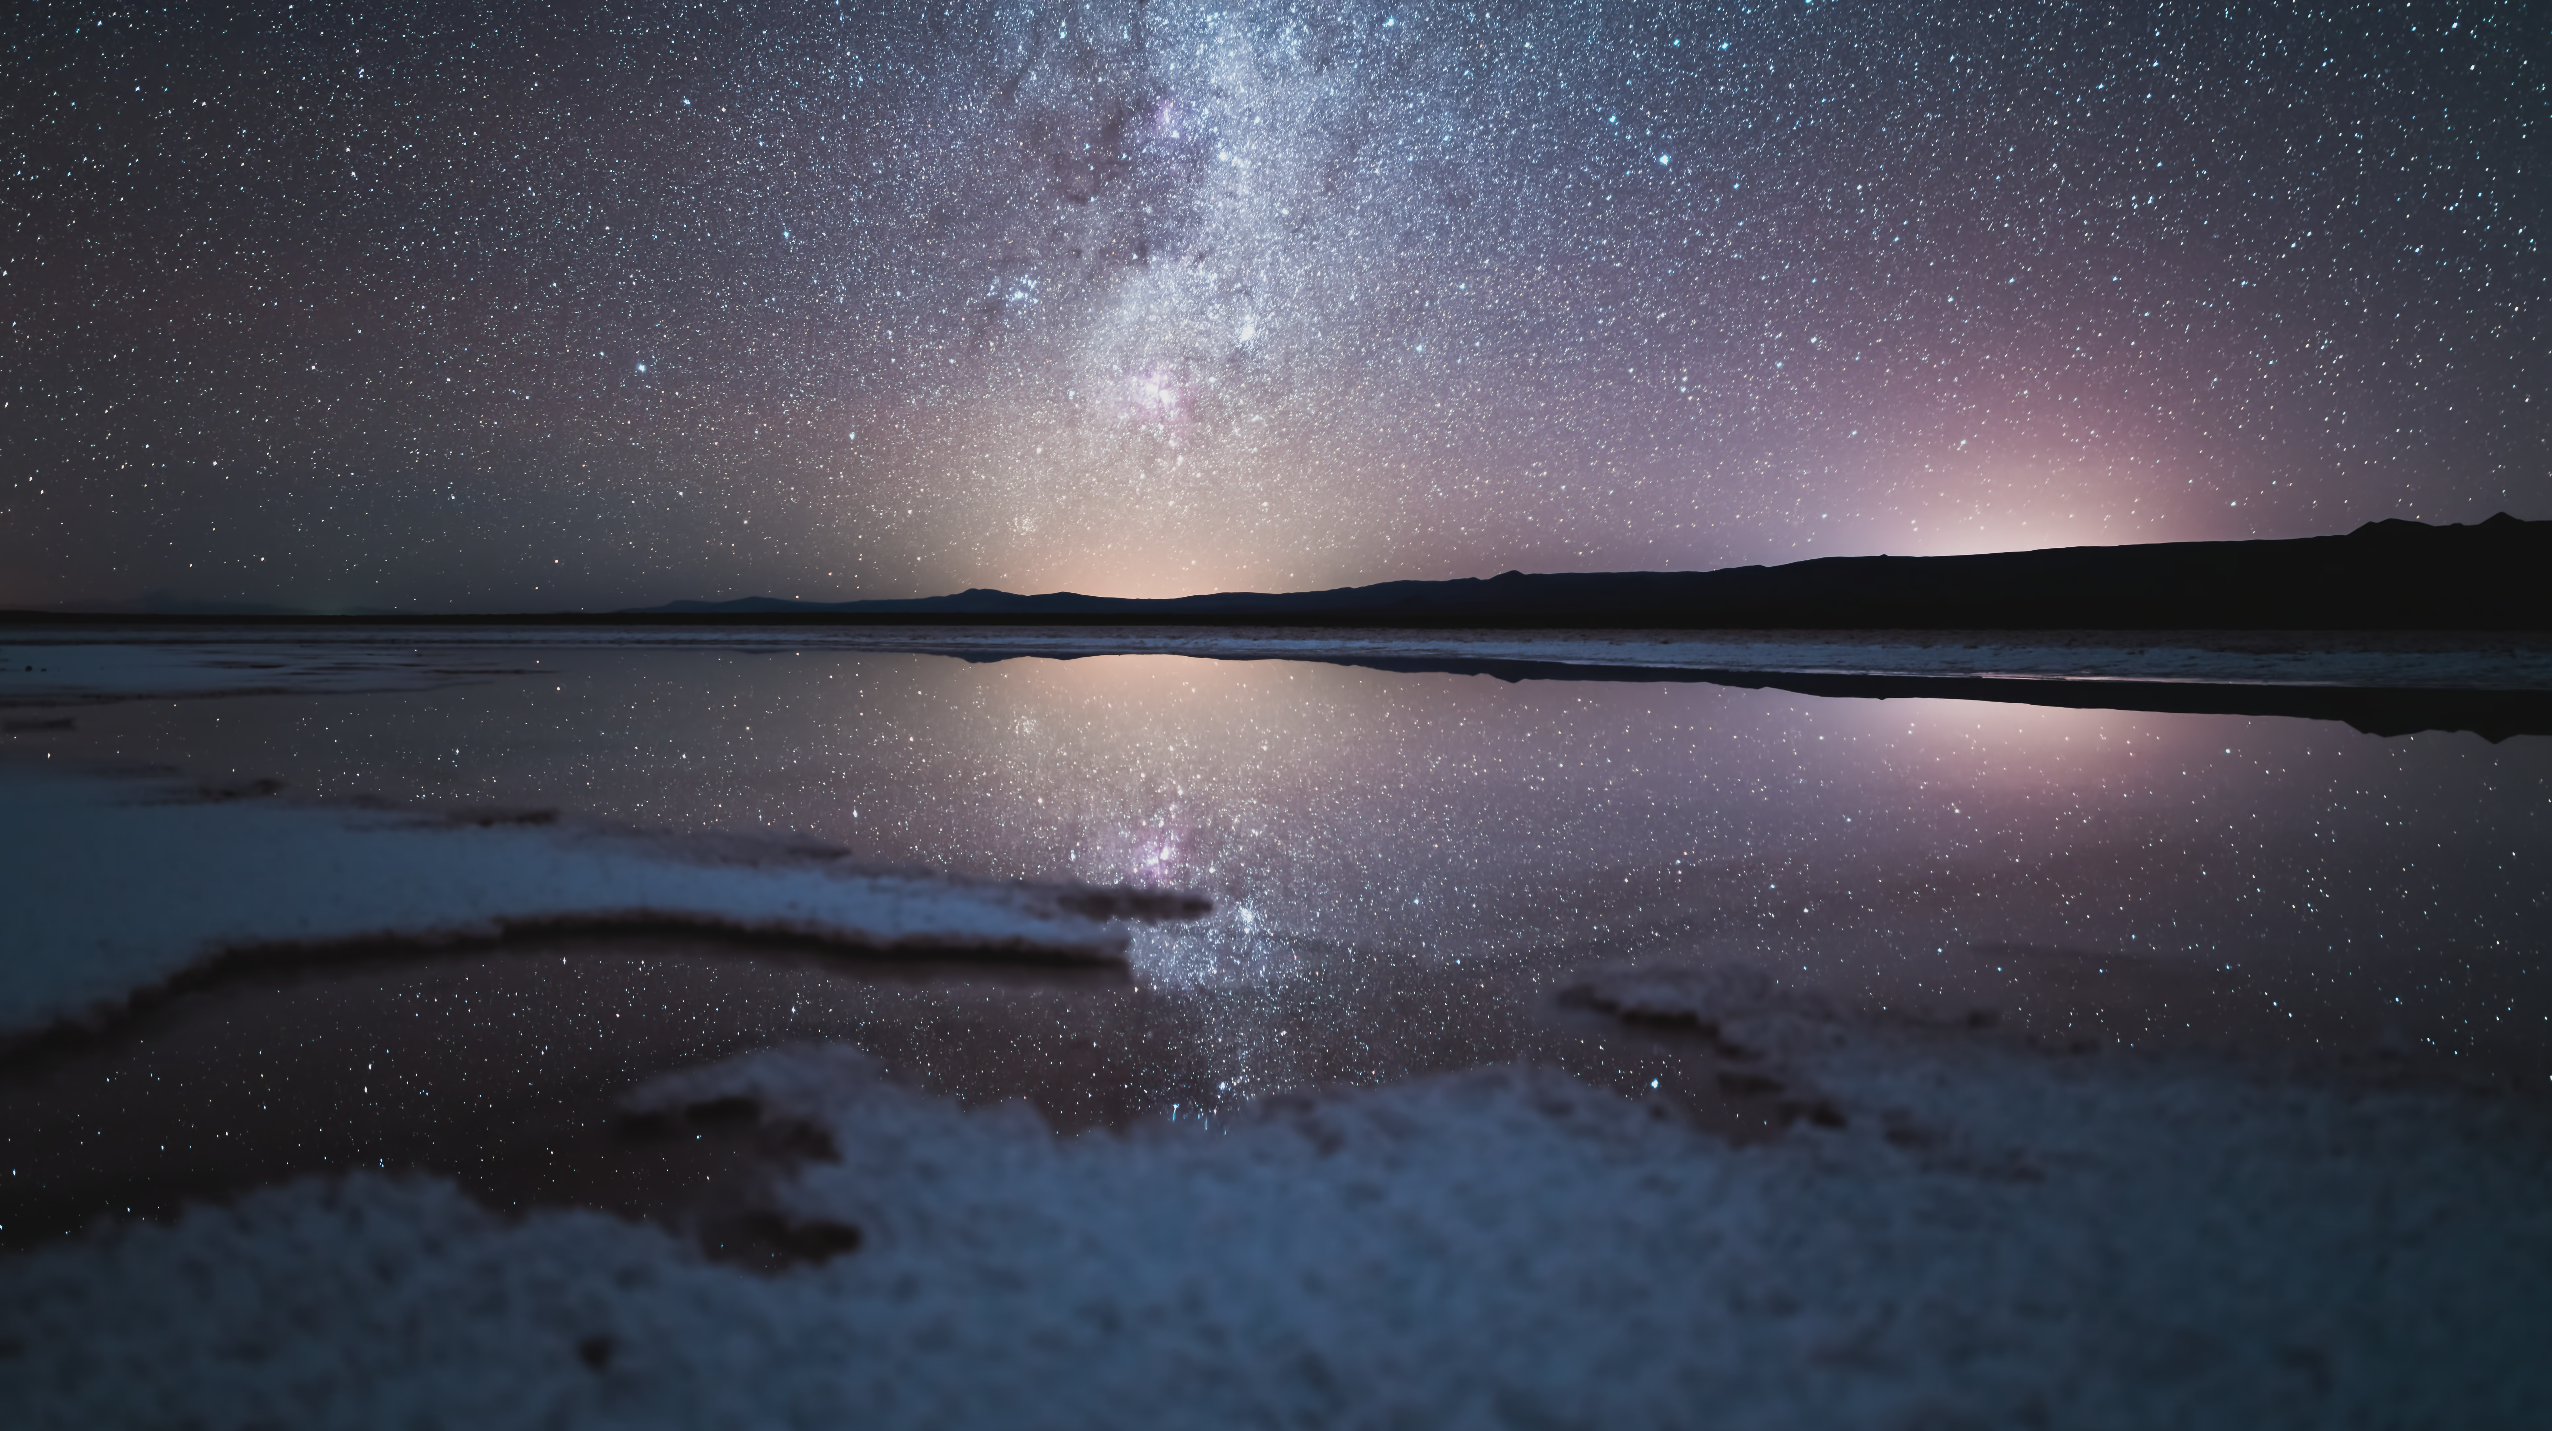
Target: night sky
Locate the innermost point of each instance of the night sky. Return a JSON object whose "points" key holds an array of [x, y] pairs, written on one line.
{"points": [[506, 307]]}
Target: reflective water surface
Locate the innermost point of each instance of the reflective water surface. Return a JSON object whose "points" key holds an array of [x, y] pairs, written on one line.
{"points": [[1406, 866]]}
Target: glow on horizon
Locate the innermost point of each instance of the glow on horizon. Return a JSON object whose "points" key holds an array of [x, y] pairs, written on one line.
{"points": [[1258, 297]]}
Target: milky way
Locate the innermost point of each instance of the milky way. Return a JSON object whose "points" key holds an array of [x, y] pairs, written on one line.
{"points": [[436, 306]]}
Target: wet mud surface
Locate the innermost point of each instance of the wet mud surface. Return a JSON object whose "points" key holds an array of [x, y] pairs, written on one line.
{"points": [[504, 1067]]}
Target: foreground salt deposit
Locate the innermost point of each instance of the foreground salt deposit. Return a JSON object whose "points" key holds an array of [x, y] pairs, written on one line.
{"points": [[113, 886], [1993, 1236]]}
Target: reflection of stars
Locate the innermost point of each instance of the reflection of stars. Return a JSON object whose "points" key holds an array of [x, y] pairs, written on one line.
{"points": [[1157, 859]]}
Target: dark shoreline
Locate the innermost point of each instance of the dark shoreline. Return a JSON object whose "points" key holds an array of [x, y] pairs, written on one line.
{"points": [[2386, 711]]}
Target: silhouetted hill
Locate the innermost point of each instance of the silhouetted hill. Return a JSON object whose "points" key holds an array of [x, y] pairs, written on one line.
{"points": [[2399, 575]]}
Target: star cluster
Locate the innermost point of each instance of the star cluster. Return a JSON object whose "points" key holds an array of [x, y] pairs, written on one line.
{"points": [[451, 306]]}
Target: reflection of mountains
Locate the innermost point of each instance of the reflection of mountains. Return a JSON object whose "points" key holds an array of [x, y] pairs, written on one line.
{"points": [[2492, 715]]}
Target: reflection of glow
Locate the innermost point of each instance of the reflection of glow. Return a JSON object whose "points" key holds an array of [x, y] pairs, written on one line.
{"points": [[1998, 724], [1992, 741]]}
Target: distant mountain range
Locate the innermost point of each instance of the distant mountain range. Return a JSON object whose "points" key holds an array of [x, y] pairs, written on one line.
{"points": [[2397, 575]]}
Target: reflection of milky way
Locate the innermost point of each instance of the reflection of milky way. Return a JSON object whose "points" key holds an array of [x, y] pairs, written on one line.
{"points": [[1368, 837], [1150, 297]]}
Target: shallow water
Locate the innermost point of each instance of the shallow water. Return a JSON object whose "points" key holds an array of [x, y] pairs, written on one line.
{"points": [[1408, 866]]}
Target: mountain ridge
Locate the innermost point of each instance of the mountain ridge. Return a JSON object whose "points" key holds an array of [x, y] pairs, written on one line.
{"points": [[2390, 574]]}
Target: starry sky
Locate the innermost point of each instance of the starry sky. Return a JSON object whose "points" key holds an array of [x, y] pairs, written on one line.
{"points": [[514, 306]]}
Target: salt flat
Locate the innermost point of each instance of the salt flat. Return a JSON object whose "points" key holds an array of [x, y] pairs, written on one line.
{"points": [[1938, 1221]]}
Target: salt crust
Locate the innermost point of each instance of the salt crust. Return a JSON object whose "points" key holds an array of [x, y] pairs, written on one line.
{"points": [[113, 885], [40, 668], [2073, 1242]]}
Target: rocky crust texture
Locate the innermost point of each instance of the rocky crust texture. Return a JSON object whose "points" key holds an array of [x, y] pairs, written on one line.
{"points": [[1964, 1232]]}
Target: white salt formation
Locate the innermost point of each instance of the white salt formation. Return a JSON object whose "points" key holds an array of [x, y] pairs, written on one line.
{"points": [[114, 886], [1994, 1237]]}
